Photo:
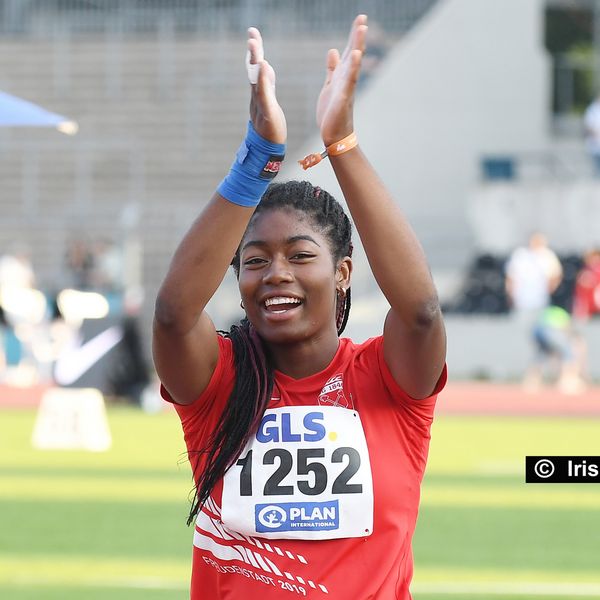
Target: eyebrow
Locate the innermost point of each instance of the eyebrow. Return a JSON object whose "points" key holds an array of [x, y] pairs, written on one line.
{"points": [[291, 240]]}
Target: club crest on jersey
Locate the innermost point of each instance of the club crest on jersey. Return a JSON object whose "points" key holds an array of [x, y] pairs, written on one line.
{"points": [[333, 392]]}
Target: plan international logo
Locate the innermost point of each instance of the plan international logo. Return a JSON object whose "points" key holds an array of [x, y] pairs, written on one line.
{"points": [[292, 516]]}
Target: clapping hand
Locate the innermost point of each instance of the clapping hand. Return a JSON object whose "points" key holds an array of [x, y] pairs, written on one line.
{"points": [[336, 100], [266, 114]]}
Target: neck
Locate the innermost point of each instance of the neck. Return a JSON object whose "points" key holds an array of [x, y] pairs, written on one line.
{"points": [[302, 359]]}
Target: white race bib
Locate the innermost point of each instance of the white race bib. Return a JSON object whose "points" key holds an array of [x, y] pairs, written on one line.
{"points": [[305, 475]]}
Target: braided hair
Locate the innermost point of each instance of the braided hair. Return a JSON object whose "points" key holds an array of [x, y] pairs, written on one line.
{"points": [[254, 371]]}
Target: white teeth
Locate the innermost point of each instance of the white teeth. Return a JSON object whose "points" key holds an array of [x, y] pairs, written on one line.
{"points": [[281, 300]]}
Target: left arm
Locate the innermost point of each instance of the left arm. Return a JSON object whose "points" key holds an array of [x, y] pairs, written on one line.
{"points": [[414, 335], [414, 340]]}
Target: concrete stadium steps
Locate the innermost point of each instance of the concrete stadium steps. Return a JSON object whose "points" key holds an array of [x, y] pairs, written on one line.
{"points": [[90, 86], [159, 125]]}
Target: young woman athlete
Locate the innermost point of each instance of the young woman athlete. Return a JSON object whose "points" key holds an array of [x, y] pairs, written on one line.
{"points": [[307, 449]]}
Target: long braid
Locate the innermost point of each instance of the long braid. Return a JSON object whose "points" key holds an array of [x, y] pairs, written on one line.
{"points": [[253, 381], [254, 372]]}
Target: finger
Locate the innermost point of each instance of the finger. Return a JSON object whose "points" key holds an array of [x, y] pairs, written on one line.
{"points": [[266, 80], [353, 72], [359, 21], [254, 55], [360, 38], [263, 92], [253, 51], [255, 46], [333, 59], [252, 70]]}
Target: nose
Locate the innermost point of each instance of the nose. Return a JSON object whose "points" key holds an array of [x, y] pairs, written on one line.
{"points": [[278, 272]]}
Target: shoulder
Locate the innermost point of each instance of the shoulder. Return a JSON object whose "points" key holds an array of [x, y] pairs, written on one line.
{"points": [[375, 384], [517, 256], [225, 350], [225, 364], [520, 253], [218, 388], [592, 111], [358, 362], [367, 363], [551, 256], [360, 353]]}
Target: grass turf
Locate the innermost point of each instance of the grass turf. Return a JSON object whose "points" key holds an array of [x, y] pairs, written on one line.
{"points": [[112, 525]]}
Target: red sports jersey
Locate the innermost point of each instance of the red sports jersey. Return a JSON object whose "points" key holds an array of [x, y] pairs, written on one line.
{"points": [[586, 301], [314, 507]]}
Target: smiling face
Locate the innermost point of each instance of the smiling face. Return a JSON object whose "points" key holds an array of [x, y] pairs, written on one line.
{"points": [[288, 278]]}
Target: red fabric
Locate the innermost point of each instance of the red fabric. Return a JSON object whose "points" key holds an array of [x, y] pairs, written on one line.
{"points": [[587, 292], [397, 429]]}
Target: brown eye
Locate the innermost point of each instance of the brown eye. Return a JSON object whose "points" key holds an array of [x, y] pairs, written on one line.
{"points": [[302, 255], [254, 261]]}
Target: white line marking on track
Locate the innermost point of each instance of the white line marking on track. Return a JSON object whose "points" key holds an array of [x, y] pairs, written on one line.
{"points": [[150, 583], [565, 590], [558, 590]]}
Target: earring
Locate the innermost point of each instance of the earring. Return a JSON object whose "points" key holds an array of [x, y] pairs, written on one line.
{"points": [[242, 305], [341, 291]]}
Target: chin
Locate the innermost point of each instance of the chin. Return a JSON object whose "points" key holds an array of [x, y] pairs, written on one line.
{"points": [[283, 335]]}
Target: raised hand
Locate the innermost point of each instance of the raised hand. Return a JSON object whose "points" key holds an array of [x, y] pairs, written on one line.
{"points": [[336, 100], [266, 114]]}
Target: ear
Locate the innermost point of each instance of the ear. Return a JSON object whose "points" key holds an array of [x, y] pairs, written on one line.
{"points": [[343, 272]]}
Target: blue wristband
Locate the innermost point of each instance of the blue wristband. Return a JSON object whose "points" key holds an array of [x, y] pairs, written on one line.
{"points": [[257, 161]]}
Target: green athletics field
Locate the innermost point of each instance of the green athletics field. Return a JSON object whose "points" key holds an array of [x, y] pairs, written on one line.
{"points": [[111, 525]]}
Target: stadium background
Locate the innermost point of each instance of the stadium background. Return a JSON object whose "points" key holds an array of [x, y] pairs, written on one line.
{"points": [[158, 88]]}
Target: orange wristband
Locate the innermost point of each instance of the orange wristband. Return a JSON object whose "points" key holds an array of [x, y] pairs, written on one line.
{"points": [[342, 146], [349, 142]]}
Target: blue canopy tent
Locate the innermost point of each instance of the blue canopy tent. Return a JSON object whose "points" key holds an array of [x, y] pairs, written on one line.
{"points": [[15, 112]]}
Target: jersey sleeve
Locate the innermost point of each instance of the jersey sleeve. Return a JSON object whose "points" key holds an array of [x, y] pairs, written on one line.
{"points": [[201, 416], [420, 410]]}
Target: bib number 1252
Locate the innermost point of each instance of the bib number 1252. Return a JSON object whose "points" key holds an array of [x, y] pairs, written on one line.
{"points": [[309, 462]]}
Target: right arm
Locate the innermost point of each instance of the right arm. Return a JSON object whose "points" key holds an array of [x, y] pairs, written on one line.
{"points": [[184, 342]]}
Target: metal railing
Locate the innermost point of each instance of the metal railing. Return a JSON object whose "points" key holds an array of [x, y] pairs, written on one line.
{"points": [[43, 18]]}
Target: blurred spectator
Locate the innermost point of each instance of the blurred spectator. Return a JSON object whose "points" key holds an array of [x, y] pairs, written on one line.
{"points": [[79, 265], [3, 329], [22, 308], [586, 301], [131, 376], [556, 341], [107, 263], [16, 270], [533, 272], [591, 121]]}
